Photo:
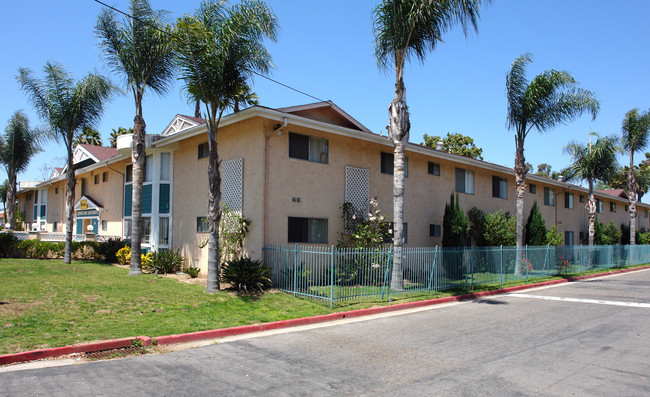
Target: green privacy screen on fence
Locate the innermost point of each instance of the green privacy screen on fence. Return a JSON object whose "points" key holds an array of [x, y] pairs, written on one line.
{"points": [[336, 274]]}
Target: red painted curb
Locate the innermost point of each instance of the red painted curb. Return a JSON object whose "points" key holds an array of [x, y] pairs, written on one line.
{"points": [[245, 329]]}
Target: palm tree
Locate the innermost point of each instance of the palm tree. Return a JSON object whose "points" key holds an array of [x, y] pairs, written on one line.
{"points": [[4, 191], [88, 136], [550, 99], [636, 130], [67, 106], [117, 132], [17, 147], [592, 162], [404, 29], [141, 50], [219, 49]]}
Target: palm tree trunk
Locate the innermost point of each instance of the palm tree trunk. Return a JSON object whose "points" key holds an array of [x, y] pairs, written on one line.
{"points": [[398, 131], [632, 198], [70, 183], [10, 204], [214, 211], [520, 187], [138, 157]]}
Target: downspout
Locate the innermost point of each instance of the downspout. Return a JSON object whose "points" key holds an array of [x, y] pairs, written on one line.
{"points": [[277, 131]]}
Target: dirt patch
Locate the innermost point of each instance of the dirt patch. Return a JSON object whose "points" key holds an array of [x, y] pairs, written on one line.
{"points": [[9, 308], [184, 278]]}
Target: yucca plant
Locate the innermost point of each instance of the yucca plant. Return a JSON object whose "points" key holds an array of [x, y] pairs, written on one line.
{"points": [[246, 274]]}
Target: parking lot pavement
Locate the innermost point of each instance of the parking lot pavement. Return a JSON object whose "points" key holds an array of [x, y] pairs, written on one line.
{"points": [[503, 345]]}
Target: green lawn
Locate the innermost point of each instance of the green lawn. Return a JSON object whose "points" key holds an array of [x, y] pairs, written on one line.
{"points": [[45, 303]]}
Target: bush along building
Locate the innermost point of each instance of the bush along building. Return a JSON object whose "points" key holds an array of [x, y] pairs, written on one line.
{"points": [[289, 171]]}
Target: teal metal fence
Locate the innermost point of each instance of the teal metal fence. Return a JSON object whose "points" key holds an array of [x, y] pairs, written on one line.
{"points": [[341, 274]]}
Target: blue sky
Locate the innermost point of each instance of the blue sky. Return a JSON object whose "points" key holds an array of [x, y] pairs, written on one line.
{"points": [[326, 49]]}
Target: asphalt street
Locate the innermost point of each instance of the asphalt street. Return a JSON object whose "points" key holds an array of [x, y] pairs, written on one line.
{"points": [[588, 338]]}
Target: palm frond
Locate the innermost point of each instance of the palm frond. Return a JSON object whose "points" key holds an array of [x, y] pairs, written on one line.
{"points": [[636, 130]]}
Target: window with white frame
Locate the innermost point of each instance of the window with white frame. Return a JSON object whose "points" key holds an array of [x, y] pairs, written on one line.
{"points": [[464, 181], [310, 148], [203, 150], [568, 200], [433, 168], [435, 230], [599, 206], [568, 238], [163, 231], [612, 206]]}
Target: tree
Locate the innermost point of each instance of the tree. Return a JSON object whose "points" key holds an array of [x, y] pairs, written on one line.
{"points": [[117, 132], [455, 227], [18, 146], [88, 136], [553, 237], [477, 220], [500, 229], [592, 162], [4, 190], [455, 143], [551, 98], [67, 106], [141, 50], [544, 170], [535, 227], [636, 130], [219, 48], [404, 29]]}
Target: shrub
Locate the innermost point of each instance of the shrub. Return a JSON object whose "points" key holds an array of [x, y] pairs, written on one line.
{"points": [[610, 234], [455, 227], [83, 249], [109, 248], [8, 244], [192, 271], [553, 237], [36, 249], [477, 220], [146, 261], [246, 274], [535, 227], [123, 256], [168, 261], [500, 229]]}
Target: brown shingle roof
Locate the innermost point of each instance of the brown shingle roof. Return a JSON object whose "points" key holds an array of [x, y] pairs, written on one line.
{"points": [[100, 152], [614, 192], [197, 119]]}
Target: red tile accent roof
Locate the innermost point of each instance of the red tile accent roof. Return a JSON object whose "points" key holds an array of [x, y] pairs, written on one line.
{"points": [[101, 152], [614, 192], [197, 119]]}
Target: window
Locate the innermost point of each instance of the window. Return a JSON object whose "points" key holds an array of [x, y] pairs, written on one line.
{"points": [[163, 237], [127, 228], [532, 188], [204, 150], [549, 196], [582, 236], [627, 208], [612, 206], [599, 206], [164, 166], [36, 196], [104, 226], [146, 230], [96, 179], [84, 188], [202, 224], [568, 200], [568, 238], [307, 230], [645, 213], [105, 176], [129, 173], [464, 181], [499, 187], [435, 230], [56, 190], [54, 227], [582, 198], [148, 169], [388, 162], [308, 148], [434, 168]]}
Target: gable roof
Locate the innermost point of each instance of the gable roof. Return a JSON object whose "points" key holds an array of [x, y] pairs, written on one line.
{"points": [[181, 122], [98, 153], [326, 112]]}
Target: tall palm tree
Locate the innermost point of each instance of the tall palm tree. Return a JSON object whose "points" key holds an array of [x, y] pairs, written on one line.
{"points": [[18, 146], [88, 136], [404, 29], [636, 131], [141, 50], [67, 106], [550, 99], [592, 162], [219, 49]]}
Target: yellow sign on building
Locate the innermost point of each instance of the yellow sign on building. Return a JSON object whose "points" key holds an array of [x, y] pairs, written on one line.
{"points": [[83, 204]]}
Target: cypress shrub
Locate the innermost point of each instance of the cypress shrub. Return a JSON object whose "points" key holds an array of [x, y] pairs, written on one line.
{"points": [[535, 227]]}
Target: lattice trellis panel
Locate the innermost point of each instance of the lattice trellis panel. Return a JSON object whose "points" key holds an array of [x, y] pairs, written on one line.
{"points": [[232, 182], [357, 194]]}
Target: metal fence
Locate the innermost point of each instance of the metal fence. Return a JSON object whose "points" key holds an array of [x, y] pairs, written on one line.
{"points": [[337, 274]]}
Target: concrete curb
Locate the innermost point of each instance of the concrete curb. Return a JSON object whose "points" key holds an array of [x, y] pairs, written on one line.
{"points": [[147, 341]]}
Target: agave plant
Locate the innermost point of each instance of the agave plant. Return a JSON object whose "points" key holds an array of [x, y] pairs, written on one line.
{"points": [[246, 274]]}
